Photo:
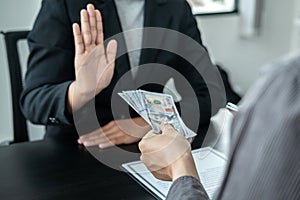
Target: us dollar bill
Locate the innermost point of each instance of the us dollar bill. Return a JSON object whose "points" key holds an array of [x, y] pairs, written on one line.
{"points": [[155, 109]]}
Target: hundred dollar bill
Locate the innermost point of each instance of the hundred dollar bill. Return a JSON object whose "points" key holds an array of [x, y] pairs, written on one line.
{"points": [[156, 108]]}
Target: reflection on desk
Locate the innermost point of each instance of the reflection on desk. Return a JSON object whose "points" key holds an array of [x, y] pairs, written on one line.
{"points": [[56, 170]]}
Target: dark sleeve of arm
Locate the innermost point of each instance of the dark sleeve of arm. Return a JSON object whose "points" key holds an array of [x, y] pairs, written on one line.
{"points": [[187, 187], [50, 66], [202, 75]]}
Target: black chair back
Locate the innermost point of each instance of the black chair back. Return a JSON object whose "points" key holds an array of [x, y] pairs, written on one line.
{"points": [[15, 71]]}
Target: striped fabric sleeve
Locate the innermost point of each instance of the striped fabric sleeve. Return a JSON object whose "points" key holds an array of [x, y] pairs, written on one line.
{"points": [[187, 188]]}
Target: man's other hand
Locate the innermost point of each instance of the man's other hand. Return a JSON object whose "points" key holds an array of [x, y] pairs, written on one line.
{"points": [[116, 132]]}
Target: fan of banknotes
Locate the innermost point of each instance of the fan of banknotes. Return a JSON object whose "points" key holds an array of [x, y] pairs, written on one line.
{"points": [[156, 108]]}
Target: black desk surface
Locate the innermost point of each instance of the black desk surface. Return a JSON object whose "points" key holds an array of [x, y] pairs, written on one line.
{"points": [[56, 170]]}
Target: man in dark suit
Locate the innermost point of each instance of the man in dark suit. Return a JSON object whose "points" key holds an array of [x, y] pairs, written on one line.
{"points": [[57, 94]]}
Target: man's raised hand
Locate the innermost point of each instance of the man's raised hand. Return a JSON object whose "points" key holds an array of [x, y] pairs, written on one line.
{"points": [[94, 65]]}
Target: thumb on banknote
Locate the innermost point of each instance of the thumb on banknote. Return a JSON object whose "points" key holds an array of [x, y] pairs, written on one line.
{"points": [[167, 129]]}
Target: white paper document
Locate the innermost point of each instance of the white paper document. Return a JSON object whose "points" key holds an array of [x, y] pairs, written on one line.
{"points": [[210, 164]]}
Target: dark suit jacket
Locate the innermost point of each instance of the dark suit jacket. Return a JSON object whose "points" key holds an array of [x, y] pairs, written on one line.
{"points": [[51, 64]]}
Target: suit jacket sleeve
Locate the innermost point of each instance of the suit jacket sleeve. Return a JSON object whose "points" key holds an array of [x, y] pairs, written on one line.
{"points": [[185, 188], [50, 66], [202, 74]]}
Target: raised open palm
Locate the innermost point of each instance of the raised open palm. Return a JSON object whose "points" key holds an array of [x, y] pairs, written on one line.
{"points": [[94, 65]]}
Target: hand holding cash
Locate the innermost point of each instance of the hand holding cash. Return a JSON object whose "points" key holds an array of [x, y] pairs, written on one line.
{"points": [[155, 109]]}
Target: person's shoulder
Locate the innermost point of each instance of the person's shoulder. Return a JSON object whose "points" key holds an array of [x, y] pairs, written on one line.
{"points": [[283, 75], [70, 3], [59, 4], [175, 3], [177, 8], [289, 64], [54, 2], [69, 7], [292, 61]]}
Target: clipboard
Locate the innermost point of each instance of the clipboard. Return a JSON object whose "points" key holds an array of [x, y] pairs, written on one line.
{"points": [[209, 163]]}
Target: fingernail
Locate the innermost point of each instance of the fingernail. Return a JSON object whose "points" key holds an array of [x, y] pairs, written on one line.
{"points": [[85, 143]]}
